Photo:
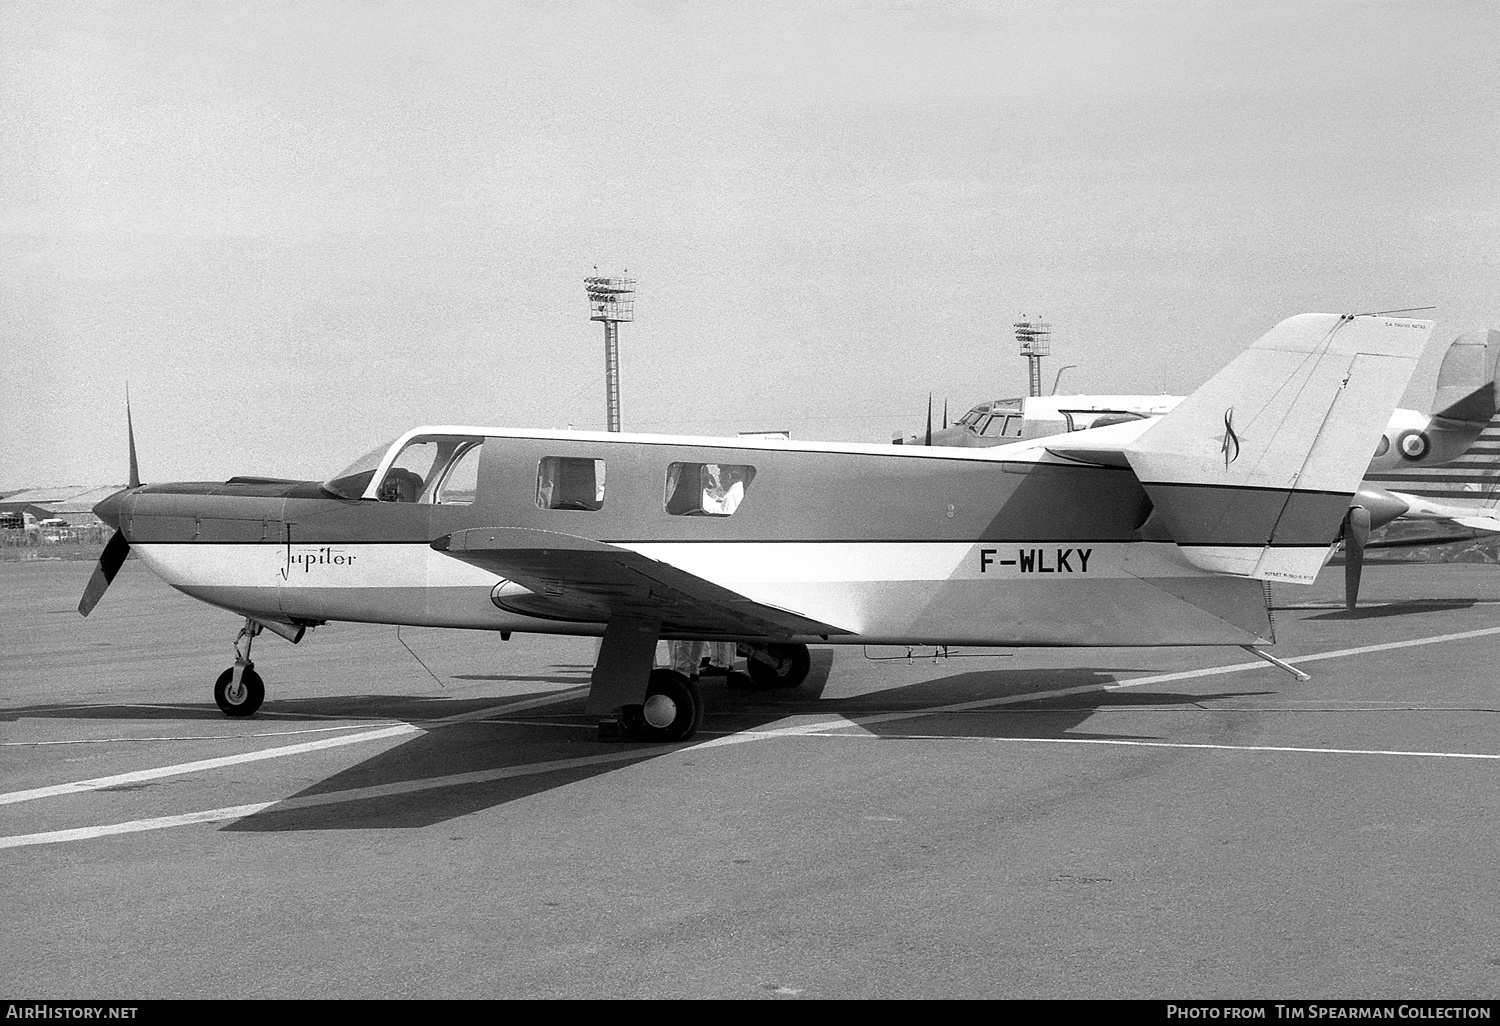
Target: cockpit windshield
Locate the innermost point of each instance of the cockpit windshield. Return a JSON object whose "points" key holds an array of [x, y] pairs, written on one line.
{"points": [[351, 482], [434, 469]]}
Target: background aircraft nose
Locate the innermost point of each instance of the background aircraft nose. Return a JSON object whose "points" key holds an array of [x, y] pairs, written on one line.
{"points": [[108, 510]]}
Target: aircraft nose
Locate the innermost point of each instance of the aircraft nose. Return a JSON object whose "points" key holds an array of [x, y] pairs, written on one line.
{"points": [[108, 510]]}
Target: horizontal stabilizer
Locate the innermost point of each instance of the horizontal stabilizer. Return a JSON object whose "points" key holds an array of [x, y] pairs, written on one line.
{"points": [[1101, 446], [1253, 473]]}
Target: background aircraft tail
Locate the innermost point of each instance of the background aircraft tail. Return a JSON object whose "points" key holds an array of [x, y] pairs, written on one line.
{"points": [[1466, 386], [1455, 455], [1252, 474]]}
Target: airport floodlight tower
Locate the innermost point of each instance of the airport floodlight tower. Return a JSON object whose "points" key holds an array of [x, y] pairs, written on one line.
{"points": [[1036, 342], [611, 300]]}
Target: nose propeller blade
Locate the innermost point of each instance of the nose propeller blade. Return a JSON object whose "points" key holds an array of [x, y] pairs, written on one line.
{"points": [[135, 472], [117, 548], [110, 562], [1356, 534]]}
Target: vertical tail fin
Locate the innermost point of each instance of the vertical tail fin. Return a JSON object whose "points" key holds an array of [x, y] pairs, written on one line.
{"points": [[1252, 474], [1466, 385]]}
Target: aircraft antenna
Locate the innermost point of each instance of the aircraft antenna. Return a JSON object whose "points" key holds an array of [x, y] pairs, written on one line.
{"points": [[611, 300], [1036, 342]]}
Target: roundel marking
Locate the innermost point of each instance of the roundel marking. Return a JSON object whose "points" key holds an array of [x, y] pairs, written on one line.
{"points": [[1413, 445]]}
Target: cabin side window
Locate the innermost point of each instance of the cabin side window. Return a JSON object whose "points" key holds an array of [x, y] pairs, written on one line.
{"points": [[706, 489], [459, 482], [570, 482]]}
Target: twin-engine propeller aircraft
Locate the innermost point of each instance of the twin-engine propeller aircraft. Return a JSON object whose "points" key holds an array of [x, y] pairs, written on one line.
{"points": [[1161, 531]]}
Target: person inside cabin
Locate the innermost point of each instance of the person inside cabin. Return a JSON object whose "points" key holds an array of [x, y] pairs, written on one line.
{"points": [[401, 485], [723, 489]]}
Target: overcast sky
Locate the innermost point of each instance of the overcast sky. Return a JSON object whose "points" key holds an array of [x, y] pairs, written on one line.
{"points": [[299, 229]]}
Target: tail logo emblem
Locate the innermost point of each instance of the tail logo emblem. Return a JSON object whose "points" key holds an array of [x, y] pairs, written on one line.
{"points": [[1229, 442]]}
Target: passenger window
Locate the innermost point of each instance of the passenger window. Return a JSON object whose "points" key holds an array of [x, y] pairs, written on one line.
{"points": [[567, 482], [706, 489], [461, 481]]}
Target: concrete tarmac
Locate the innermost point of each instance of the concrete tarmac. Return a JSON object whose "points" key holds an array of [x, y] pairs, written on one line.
{"points": [[1100, 823]]}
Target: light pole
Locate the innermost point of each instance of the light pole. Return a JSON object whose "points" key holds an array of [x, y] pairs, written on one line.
{"points": [[611, 300], [1036, 342]]}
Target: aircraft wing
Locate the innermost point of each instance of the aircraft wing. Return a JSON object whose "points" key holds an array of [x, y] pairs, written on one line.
{"points": [[583, 579]]}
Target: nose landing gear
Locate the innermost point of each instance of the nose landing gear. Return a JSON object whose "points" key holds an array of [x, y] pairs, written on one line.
{"points": [[239, 689], [241, 697]]}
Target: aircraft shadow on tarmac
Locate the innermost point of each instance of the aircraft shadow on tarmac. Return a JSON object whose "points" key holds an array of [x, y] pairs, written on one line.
{"points": [[505, 759], [510, 757], [1406, 608], [278, 711]]}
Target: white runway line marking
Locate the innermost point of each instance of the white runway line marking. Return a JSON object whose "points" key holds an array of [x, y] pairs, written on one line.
{"points": [[505, 707], [330, 798], [204, 764], [794, 730], [816, 727], [1298, 660], [1482, 756], [184, 737], [274, 753], [635, 754]]}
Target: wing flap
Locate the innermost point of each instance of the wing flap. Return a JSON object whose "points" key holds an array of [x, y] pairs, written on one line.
{"points": [[614, 582]]}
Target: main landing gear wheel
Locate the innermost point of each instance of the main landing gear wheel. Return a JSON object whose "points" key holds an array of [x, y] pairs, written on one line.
{"points": [[672, 711], [242, 700], [788, 666]]}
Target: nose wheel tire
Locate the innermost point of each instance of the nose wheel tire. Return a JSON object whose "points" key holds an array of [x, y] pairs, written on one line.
{"points": [[792, 663], [242, 700], [672, 712]]}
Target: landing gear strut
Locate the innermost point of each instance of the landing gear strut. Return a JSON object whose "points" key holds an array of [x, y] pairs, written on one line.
{"points": [[239, 689], [647, 704]]}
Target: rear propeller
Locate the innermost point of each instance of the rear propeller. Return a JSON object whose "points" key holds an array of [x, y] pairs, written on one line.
{"points": [[1356, 535], [117, 548], [1373, 507]]}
